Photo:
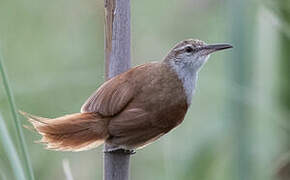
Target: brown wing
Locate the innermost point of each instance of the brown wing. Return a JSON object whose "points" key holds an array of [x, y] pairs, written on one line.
{"points": [[116, 93], [111, 97], [133, 128]]}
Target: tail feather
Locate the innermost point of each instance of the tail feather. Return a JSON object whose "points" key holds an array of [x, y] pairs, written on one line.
{"points": [[75, 132]]}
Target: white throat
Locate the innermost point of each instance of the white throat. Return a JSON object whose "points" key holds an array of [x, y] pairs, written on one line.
{"points": [[188, 77]]}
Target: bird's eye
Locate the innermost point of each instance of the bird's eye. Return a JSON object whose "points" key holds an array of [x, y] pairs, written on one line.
{"points": [[188, 49]]}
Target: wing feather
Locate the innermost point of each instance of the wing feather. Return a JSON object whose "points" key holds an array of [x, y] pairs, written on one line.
{"points": [[110, 98], [133, 128]]}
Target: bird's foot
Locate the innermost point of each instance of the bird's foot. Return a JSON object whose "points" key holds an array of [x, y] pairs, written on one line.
{"points": [[130, 151], [116, 149]]}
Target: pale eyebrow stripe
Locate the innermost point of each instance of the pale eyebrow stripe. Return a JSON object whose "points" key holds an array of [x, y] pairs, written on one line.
{"points": [[182, 47]]}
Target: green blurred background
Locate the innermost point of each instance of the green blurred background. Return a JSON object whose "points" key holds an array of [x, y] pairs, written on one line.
{"points": [[238, 127]]}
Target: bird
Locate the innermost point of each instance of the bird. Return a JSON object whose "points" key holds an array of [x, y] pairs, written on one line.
{"points": [[134, 108]]}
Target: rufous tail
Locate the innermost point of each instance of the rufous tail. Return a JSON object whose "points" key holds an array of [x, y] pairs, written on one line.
{"points": [[75, 132]]}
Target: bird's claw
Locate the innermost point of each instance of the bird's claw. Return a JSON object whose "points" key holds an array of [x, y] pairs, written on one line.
{"points": [[119, 149]]}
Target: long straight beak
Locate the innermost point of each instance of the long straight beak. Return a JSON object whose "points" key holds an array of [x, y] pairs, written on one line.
{"points": [[216, 47]]}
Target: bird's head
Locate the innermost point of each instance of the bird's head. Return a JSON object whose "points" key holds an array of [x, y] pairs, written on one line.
{"points": [[192, 54]]}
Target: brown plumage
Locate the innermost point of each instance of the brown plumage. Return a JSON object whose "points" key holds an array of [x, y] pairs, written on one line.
{"points": [[73, 132], [121, 112], [134, 108]]}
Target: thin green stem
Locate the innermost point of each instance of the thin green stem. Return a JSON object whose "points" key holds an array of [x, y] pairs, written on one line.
{"points": [[20, 136], [10, 151]]}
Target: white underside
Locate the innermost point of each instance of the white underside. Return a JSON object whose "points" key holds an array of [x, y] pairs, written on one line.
{"points": [[188, 78], [187, 68]]}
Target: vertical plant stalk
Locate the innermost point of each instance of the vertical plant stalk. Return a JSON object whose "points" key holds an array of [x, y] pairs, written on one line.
{"points": [[285, 82], [67, 170], [117, 37], [283, 172], [118, 60], [10, 151], [239, 71], [19, 132], [285, 77]]}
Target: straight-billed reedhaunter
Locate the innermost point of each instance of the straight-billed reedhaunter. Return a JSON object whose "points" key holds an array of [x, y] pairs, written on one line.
{"points": [[134, 108]]}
